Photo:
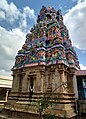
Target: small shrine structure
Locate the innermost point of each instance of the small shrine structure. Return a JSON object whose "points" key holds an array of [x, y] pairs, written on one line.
{"points": [[5, 87], [46, 64], [81, 91]]}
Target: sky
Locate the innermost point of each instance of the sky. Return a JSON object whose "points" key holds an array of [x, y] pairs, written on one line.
{"points": [[18, 16]]}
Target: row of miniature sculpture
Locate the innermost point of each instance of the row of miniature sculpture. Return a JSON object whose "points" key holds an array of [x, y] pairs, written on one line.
{"points": [[48, 42]]}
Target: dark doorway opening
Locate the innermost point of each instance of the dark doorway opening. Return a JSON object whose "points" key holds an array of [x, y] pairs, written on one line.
{"points": [[31, 80]]}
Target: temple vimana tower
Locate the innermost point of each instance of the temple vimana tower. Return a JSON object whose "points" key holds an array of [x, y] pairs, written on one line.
{"points": [[44, 65]]}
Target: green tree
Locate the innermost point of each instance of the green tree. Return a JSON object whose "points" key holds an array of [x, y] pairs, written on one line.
{"points": [[45, 102]]}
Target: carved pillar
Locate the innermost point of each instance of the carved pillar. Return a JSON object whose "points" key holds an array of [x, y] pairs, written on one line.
{"points": [[70, 80], [42, 81], [63, 79], [35, 85], [20, 82], [25, 83], [15, 85], [52, 80], [48, 80], [38, 82]]}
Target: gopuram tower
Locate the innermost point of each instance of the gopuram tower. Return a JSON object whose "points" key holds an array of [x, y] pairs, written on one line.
{"points": [[45, 65]]}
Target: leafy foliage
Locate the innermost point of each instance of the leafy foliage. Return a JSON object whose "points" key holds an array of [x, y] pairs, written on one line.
{"points": [[44, 103], [50, 116]]}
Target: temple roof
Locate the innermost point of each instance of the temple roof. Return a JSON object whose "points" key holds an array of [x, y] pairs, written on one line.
{"points": [[81, 73], [48, 42]]}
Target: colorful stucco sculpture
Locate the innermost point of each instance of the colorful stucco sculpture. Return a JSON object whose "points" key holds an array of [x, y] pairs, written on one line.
{"points": [[47, 43]]}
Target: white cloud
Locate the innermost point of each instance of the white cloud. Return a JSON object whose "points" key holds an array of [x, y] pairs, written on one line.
{"points": [[11, 13], [83, 67], [5, 73], [10, 10], [29, 12], [80, 1], [75, 20], [2, 15], [11, 41], [23, 23]]}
